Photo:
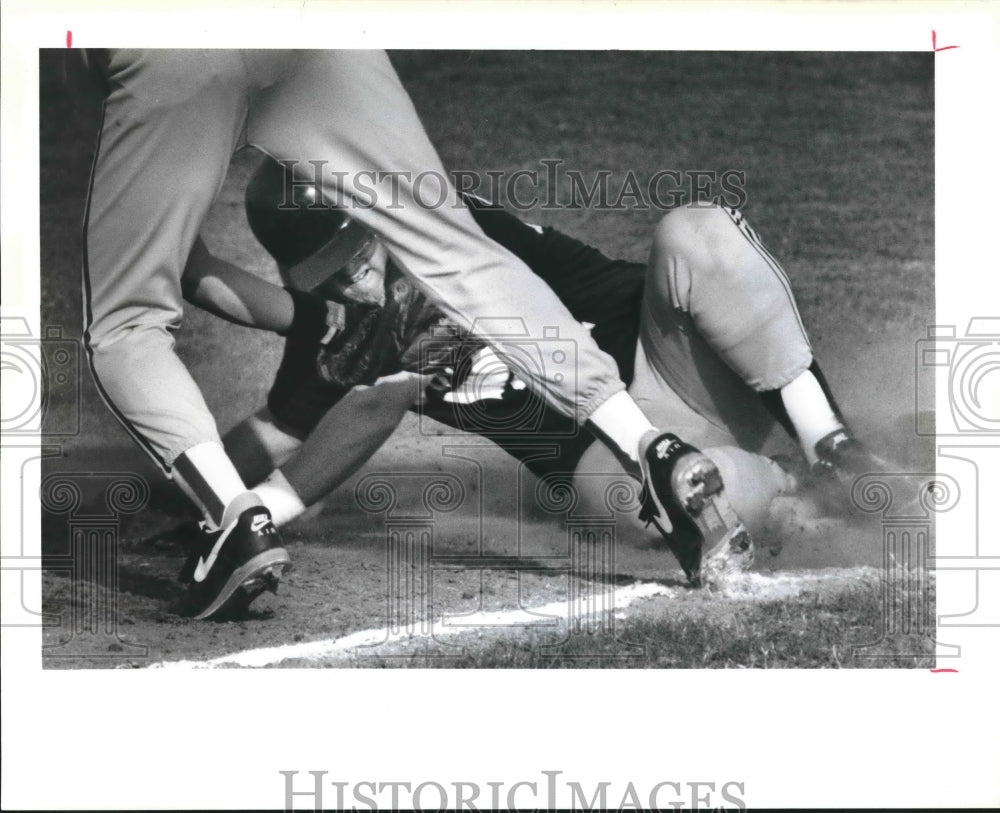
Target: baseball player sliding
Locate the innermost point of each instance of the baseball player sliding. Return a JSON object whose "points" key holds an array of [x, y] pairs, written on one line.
{"points": [[707, 335], [171, 121]]}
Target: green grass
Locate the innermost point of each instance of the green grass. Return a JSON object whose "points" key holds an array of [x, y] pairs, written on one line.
{"points": [[813, 631]]}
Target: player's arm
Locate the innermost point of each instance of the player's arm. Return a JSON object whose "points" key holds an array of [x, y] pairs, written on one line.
{"points": [[238, 296], [350, 432], [234, 294]]}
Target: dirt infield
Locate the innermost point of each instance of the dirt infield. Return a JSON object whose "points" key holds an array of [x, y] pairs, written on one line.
{"points": [[481, 580]]}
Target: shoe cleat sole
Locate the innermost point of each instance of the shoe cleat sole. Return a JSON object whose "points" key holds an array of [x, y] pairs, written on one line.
{"points": [[727, 547], [267, 579], [246, 583]]}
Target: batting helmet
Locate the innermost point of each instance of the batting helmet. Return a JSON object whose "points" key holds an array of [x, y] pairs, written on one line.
{"points": [[308, 237]]}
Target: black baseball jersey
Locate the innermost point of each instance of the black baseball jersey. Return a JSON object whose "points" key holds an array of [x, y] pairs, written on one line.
{"points": [[403, 334]]}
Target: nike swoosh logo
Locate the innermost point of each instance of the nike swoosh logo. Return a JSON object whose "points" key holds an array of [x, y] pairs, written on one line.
{"points": [[258, 523], [204, 565]]}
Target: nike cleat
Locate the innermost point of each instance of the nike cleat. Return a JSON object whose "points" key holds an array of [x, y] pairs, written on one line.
{"points": [[232, 566], [707, 537]]}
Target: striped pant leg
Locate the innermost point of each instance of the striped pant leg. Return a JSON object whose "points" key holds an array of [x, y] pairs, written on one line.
{"points": [[171, 121], [719, 323]]}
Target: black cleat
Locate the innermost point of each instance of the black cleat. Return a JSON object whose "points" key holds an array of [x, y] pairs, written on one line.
{"points": [[841, 460], [708, 538], [846, 458], [231, 567]]}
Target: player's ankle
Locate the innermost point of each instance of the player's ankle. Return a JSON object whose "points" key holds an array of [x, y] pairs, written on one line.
{"points": [[622, 425], [207, 476], [810, 411], [238, 505]]}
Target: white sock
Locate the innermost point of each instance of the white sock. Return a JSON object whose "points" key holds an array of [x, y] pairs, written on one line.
{"points": [[281, 499], [207, 475], [810, 412], [621, 421]]}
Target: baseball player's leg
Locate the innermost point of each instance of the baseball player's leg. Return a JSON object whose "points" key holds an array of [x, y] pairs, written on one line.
{"points": [[349, 110], [751, 480], [719, 321], [147, 200], [170, 124], [171, 121], [718, 327]]}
